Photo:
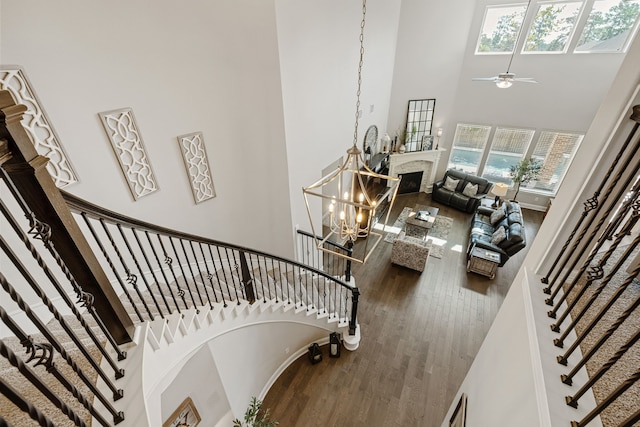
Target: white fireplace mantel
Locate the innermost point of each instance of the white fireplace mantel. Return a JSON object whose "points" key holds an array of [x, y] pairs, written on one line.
{"points": [[417, 161]]}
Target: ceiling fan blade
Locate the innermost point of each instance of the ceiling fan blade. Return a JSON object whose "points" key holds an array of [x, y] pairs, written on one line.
{"points": [[525, 80], [485, 79]]}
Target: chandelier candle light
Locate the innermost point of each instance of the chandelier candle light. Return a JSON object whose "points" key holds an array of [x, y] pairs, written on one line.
{"points": [[349, 209]]}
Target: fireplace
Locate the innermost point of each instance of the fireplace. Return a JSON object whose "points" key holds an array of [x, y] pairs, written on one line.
{"points": [[409, 182], [425, 162]]}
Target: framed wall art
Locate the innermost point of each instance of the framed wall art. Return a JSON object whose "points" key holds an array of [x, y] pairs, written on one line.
{"points": [[459, 417], [185, 415], [197, 166]]}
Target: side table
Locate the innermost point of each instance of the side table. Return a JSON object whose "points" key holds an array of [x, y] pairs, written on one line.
{"points": [[483, 261]]}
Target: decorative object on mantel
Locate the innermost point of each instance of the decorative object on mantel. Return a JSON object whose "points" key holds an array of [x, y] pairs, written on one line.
{"points": [[419, 124], [37, 126], [386, 143], [197, 166], [438, 135], [348, 206], [122, 131]]}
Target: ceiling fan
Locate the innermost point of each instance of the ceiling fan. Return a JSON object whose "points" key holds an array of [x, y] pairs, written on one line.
{"points": [[506, 79]]}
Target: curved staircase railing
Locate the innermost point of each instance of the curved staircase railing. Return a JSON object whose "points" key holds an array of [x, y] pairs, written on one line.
{"points": [[158, 270], [54, 245]]}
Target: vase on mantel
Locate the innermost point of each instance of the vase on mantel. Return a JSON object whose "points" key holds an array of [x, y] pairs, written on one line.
{"points": [[402, 148]]}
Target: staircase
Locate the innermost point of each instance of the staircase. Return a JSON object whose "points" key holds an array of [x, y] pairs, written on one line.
{"points": [[110, 308]]}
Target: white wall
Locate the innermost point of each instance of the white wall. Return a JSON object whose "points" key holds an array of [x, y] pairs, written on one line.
{"points": [[199, 380], [210, 67], [319, 52]]}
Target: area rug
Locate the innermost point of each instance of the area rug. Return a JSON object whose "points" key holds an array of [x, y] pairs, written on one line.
{"points": [[437, 235]]}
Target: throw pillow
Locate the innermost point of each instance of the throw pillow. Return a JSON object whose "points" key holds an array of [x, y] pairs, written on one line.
{"points": [[496, 216], [470, 189], [498, 236], [451, 184]]}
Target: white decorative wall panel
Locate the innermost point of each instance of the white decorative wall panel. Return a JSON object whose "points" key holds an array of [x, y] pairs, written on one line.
{"points": [[197, 166], [126, 141], [37, 125]]}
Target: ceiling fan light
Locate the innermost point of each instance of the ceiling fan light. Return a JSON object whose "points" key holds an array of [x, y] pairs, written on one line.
{"points": [[503, 84]]}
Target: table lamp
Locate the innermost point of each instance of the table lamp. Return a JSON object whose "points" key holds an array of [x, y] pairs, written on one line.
{"points": [[499, 190]]}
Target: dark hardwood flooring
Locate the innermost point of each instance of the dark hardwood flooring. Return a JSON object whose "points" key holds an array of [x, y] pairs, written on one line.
{"points": [[420, 334]]}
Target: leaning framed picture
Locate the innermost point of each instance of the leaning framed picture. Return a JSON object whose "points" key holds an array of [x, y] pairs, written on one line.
{"points": [[185, 415], [459, 417]]}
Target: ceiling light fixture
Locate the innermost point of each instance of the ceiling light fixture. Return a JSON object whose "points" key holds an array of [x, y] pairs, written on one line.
{"points": [[350, 197]]}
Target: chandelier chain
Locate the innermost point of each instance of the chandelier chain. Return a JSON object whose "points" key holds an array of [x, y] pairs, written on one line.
{"points": [[364, 13]]}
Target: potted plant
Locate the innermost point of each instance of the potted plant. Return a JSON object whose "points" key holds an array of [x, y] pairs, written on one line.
{"points": [[251, 416], [523, 172]]}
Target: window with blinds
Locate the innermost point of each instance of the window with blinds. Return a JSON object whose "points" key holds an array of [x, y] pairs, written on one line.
{"points": [[469, 142], [508, 147]]}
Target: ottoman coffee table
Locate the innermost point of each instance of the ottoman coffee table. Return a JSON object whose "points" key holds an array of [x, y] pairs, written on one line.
{"points": [[420, 221]]}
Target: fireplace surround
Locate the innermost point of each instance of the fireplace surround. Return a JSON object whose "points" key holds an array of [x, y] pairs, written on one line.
{"points": [[417, 161]]}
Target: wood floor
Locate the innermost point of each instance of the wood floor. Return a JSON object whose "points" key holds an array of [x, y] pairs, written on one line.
{"points": [[420, 334]]}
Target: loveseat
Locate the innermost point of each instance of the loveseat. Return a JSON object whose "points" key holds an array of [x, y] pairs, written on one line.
{"points": [[460, 190], [500, 230]]}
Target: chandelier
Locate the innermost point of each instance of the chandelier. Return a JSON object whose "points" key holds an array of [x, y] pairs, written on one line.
{"points": [[351, 197]]}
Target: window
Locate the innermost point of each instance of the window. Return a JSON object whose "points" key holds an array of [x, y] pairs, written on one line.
{"points": [[507, 148], [552, 27], [555, 150], [500, 28], [609, 26], [468, 146]]}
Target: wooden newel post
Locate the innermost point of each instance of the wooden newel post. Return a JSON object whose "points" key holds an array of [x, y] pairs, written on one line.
{"points": [[27, 170]]}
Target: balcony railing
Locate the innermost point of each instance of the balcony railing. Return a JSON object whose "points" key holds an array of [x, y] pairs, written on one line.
{"points": [[594, 293]]}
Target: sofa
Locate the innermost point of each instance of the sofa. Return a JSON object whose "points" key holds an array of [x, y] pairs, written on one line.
{"points": [[500, 230], [410, 252], [460, 190]]}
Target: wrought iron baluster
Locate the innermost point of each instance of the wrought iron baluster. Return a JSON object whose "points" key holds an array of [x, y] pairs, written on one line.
{"points": [[621, 170], [117, 393], [184, 276], [247, 278], [28, 373], [83, 297], [169, 262], [593, 202], [200, 274], [193, 276], [97, 240], [140, 274], [593, 378], [153, 274], [25, 405], [608, 400], [164, 275], [614, 326], [209, 275], [596, 274], [605, 215], [132, 279], [224, 273], [215, 270], [237, 276], [43, 354]]}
